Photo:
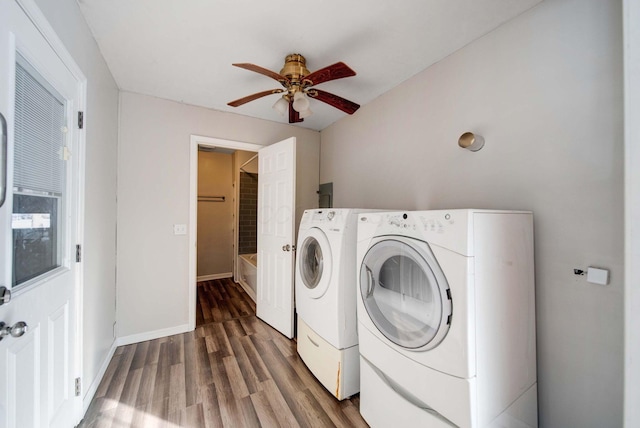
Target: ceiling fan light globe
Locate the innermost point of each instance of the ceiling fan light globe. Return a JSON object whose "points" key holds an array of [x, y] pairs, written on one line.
{"points": [[300, 102], [281, 106], [305, 113]]}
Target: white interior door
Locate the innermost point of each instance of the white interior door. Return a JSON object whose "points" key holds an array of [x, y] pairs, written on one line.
{"points": [[276, 234], [38, 229]]}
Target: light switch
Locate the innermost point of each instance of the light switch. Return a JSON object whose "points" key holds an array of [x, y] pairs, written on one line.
{"points": [[597, 276], [179, 229]]}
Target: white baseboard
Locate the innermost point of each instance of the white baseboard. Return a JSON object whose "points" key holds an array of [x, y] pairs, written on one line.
{"points": [[91, 391], [215, 276], [150, 335]]}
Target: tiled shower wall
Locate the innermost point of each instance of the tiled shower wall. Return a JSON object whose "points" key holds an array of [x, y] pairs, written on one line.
{"points": [[248, 216]]}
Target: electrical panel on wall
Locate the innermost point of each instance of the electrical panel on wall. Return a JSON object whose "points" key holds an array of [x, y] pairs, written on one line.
{"points": [[325, 195]]}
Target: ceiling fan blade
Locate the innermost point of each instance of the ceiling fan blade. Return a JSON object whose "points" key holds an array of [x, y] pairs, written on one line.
{"points": [[255, 96], [256, 68], [346, 106], [294, 116], [338, 70]]}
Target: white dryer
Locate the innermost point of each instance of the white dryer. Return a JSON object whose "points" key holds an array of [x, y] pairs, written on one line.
{"points": [[325, 285], [446, 319]]}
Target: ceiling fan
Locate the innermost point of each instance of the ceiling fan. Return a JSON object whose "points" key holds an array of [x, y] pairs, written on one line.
{"points": [[298, 85]]}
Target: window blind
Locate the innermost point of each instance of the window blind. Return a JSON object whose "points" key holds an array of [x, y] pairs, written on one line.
{"points": [[39, 135]]}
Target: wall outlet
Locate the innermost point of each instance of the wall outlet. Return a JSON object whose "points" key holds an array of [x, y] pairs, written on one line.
{"points": [[179, 229], [597, 276]]}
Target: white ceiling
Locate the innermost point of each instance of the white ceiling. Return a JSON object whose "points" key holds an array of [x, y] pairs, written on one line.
{"points": [[182, 50]]}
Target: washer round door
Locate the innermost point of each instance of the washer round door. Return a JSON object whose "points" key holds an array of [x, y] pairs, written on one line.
{"points": [[314, 262], [406, 293]]}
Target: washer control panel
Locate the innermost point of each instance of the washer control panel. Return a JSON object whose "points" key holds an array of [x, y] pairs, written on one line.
{"points": [[325, 215], [332, 220]]}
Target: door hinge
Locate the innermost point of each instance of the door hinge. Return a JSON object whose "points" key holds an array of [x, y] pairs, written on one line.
{"points": [[78, 253], [78, 387], [80, 120]]}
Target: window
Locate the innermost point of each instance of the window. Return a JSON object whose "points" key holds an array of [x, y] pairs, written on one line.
{"points": [[39, 175]]}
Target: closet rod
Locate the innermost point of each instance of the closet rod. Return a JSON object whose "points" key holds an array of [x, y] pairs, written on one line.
{"points": [[211, 198]]}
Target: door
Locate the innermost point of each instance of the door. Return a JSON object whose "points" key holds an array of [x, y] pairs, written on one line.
{"points": [[38, 229], [276, 235], [405, 293]]}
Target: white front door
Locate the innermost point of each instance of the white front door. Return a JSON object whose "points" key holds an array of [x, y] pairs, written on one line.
{"points": [[39, 98], [276, 234]]}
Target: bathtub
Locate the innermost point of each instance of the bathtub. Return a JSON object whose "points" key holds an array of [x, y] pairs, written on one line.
{"points": [[247, 273]]}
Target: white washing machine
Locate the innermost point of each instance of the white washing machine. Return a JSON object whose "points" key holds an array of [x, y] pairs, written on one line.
{"points": [[326, 284], [446, 318]]}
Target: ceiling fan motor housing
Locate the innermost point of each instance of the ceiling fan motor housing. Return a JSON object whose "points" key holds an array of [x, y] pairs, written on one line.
{"points": [[294, 67]]}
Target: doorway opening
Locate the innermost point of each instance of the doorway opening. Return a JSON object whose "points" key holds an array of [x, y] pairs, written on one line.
{"points": [[214, 212], [247, 220], [227, 236]]}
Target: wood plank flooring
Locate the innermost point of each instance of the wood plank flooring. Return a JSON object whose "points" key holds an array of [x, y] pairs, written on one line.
{"points": [[232, 371]]}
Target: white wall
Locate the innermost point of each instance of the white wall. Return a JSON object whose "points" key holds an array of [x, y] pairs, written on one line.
{"points": [[99, 253], [632, 213], [153, 194], [545, 90]]}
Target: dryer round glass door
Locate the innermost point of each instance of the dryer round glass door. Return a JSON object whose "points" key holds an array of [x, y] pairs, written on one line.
{"points": [[406, 293], [314, 262]]}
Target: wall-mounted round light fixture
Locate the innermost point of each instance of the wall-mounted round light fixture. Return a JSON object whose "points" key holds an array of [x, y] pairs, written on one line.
{"points": [[471, 141]]}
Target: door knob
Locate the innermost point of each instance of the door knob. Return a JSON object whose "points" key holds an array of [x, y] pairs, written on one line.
{"points": [[5, 295], [16, 330]]}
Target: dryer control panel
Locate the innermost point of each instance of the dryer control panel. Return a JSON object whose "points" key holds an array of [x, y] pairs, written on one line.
{"points": [[401, 221], [432, 225], [392, 223], [433, 222], [451, 229], [447, 228]]}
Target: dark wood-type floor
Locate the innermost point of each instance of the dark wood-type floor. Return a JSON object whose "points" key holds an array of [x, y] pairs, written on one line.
{"points": [[232, 371]]}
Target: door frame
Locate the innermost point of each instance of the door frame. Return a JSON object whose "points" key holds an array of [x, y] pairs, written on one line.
{"points": [[199, 140], [41, 23], [631, 41]]}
